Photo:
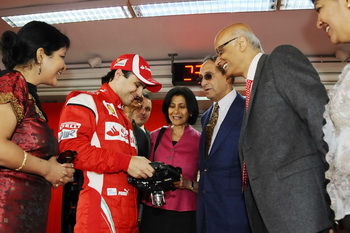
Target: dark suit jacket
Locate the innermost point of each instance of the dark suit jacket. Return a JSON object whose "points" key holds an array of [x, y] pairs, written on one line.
{"points": [[220, 198], [143, 141], [282, 144]]}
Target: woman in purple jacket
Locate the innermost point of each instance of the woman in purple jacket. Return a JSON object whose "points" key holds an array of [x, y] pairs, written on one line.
{"points": [[178, 147]]}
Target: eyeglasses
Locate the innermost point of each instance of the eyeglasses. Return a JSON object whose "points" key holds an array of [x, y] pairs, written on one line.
{"points": [[206, 77], [219, 49]]}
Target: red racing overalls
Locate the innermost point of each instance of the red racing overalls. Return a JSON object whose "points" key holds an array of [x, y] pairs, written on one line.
{"points": [[94, 125]]}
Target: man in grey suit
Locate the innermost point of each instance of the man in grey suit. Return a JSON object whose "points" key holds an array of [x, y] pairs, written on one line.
{"points": [[281, 144]]}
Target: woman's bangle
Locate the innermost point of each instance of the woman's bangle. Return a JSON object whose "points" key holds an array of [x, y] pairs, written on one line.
{"points": [[23, 162], [192, 185]]}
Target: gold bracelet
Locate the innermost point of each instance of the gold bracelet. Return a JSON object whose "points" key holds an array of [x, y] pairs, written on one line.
{"points": [[23, 162]]}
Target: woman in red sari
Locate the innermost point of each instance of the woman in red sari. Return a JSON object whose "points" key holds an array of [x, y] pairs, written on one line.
{"points": [[28, 167]]}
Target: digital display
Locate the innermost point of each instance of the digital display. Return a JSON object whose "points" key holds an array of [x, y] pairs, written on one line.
{"points": [[186, 73]]}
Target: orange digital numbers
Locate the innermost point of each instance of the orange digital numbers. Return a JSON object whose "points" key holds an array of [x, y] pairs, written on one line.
{"points": [[186, 73], [193, 72]]}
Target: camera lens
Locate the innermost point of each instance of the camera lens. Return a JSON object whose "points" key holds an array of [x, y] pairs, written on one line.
{"points": [[158, 198]]}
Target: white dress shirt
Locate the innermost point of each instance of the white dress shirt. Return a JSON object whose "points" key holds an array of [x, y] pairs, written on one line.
{"points": [[224, 106], [253, 66]]}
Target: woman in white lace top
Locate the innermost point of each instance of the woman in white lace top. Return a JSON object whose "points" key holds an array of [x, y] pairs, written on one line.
{"points": [[334, 18]]}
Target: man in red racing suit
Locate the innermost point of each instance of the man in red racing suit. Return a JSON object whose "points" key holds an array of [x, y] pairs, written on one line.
{"points": [[94, 125]]}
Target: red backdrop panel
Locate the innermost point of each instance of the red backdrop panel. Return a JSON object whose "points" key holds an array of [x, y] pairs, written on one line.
{"points": [[53, 110], [157, 118]]}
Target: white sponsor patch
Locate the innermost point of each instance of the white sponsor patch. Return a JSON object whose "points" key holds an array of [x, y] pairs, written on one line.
{"points": [[145, 68], [121, 62], [70, 125], [123, 193], [110, 108], [67, 134], [115, 131], [68, 130], [111, 192]]}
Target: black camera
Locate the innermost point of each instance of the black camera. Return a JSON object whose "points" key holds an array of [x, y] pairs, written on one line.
{"points": [[66, 156], [162, 180]]}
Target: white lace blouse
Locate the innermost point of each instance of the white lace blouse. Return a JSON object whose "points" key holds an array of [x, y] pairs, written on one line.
{"points": [[337, 135]]}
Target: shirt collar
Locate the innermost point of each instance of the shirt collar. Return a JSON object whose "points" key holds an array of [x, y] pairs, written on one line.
{"points": [[143, 128], [253, 66], [227, 100], [109, 94]]}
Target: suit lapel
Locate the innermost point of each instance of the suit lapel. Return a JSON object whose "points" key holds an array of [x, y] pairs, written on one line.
{"points": [[204, 121], [206, 118], [255, 86], [148, 136], [229, 123], [256, 81]]}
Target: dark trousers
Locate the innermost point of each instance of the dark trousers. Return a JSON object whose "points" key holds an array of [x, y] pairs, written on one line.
{"points": [[204, 226], [156, 220], [344, 224]]}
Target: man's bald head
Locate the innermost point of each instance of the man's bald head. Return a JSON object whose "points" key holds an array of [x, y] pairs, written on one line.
{"points": [[236, 30], [236, 46]]}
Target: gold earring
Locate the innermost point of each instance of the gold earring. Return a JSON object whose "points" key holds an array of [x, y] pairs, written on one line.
{"points": [[39, 69]]}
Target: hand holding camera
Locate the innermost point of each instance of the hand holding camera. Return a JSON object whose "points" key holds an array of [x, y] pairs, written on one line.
{"points": [[162, 180]]}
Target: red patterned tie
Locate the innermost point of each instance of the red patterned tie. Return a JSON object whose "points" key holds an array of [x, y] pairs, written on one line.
{"points": [[244, 166], [248, 88], [244, 176]]}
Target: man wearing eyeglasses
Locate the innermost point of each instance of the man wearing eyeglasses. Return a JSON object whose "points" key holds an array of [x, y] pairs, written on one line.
{"points": [[281, 147], [221, 205]]}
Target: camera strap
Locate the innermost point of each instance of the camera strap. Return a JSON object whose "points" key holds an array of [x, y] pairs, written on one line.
{"points": [[160, 135]]}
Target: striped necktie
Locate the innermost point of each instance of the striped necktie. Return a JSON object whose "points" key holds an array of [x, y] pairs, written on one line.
{"points": [[210, 128]]}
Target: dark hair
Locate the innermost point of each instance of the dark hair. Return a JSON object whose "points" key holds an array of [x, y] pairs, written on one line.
{"points": [[110, 76], [191, 103], [20, 48], [146, 95], [213, 59]]}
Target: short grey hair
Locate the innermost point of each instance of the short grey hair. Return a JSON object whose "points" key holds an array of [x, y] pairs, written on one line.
{"points": [[251, 38]]}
